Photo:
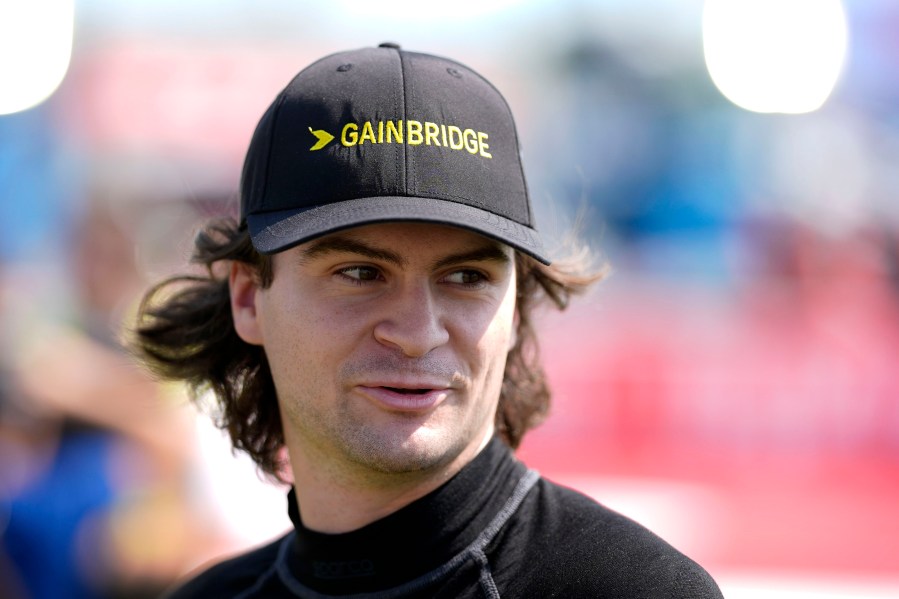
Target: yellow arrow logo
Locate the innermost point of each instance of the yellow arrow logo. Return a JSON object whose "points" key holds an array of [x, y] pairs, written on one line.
{"points": [[323, 137]]}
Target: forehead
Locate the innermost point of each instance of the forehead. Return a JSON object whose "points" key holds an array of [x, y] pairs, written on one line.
{"points": [[405, 241]]}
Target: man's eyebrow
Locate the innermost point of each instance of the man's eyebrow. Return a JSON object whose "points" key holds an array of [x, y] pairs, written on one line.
{"points": [[334, 244], [492, 252], [487, 253]]}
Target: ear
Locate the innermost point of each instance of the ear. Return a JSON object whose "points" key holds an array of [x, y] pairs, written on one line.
{"points": [[244, 288]]}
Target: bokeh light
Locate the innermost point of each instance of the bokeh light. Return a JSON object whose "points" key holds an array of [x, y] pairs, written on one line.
{"points": [[35, 50], [779, 56]]}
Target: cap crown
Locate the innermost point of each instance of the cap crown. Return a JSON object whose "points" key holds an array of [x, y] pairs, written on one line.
{"points": [[384, 123]]}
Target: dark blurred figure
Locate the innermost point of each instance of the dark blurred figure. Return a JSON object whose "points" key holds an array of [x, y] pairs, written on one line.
{"points": [[93, 498]]}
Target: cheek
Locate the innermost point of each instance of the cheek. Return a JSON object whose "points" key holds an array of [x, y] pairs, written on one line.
{"points": [[497, 337], [306, 339], [290, 339]]}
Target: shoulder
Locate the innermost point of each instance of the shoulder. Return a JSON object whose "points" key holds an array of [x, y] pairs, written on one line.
{"points": [[233, 576], [588, 550]]}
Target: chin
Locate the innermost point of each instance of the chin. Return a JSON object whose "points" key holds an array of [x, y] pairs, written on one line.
{"points": [[422, 451]]}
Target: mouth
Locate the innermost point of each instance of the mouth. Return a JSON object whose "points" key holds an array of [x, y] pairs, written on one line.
{"points": [[404, 399], [408, 391]]}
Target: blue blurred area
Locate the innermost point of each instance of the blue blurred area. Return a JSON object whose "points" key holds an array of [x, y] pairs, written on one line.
{"points": [[37, 185], [644, 164], [48, 533]]}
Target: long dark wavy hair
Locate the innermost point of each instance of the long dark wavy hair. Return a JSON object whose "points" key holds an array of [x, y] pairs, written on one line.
{"points": [[184, 331]]}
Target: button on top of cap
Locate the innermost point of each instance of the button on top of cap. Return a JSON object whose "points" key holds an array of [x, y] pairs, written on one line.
{"points": [[393, 45]]}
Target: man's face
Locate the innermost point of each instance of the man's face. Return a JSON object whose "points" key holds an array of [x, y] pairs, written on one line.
{"points": [[387, 344]]}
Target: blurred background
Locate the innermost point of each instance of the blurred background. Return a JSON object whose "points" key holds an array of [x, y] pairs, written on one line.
{"points": [[734, 384]]}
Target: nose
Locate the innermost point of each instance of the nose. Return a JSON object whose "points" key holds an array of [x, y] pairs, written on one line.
{"points": [[412, 321]]}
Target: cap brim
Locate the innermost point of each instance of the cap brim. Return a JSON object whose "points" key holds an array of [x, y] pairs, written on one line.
{"points": [[276, 231]]}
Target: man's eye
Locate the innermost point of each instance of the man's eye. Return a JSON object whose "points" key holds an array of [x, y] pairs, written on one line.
{"points": [[360, 274], [466, 277]]}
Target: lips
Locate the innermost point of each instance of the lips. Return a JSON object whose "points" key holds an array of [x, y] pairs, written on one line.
{"points": [[405, 397]]}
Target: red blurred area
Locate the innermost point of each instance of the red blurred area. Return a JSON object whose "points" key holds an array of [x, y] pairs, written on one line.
{"points": [[780, 401], [187, 101]]}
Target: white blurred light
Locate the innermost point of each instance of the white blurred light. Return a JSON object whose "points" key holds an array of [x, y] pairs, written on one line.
{"points": [[775, 55], [35, 50]]}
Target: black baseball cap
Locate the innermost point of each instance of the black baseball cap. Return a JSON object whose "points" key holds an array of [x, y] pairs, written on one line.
{"points": [[383, 134]]}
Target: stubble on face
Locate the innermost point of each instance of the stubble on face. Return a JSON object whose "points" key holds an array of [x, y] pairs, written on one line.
{"points": [[407, 445]]}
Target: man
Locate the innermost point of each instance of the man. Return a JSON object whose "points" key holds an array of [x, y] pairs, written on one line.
{"points": [[371, 314]]}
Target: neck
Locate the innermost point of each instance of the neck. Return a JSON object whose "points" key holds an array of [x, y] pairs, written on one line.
{"points": [[342, 498]]}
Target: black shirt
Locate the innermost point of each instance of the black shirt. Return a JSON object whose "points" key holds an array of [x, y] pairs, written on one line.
{"points": [[496, 529]]}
